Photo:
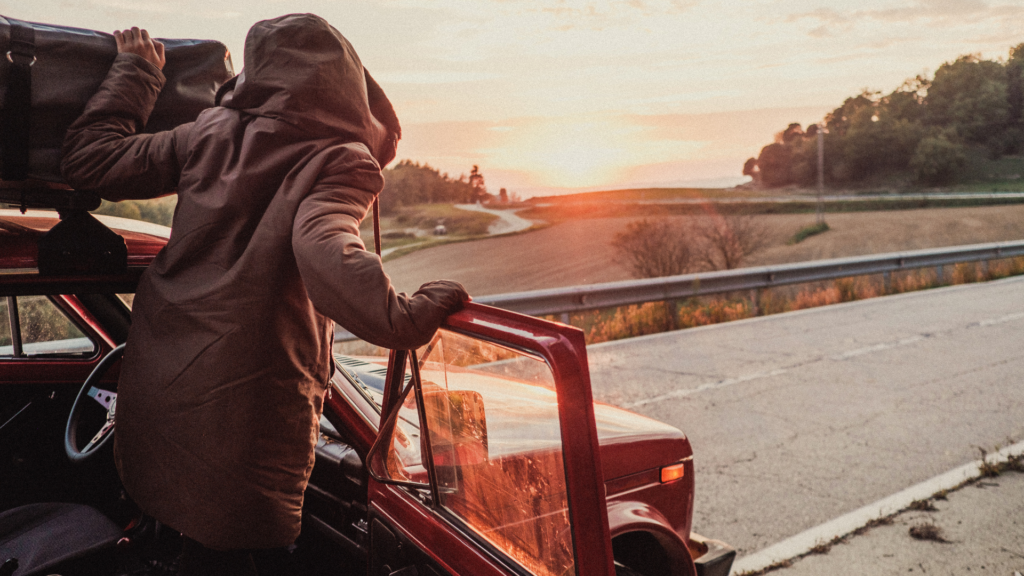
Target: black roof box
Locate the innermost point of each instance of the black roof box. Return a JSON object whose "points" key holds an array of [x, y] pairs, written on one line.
{"points": [[64, 67]]}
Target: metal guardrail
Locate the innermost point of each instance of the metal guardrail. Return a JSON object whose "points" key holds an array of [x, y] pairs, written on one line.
{"points": [[611, 294]]}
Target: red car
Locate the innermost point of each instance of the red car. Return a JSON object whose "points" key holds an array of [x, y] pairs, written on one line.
{"points": [[481, 454]]}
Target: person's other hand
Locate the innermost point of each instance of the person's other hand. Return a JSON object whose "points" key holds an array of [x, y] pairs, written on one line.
{"points": [[137, 41]]}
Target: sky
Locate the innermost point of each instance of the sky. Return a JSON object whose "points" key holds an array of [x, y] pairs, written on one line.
{"points": [[552, 96]]}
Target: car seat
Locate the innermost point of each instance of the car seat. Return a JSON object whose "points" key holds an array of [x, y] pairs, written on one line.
{"points": [[42, 537]]}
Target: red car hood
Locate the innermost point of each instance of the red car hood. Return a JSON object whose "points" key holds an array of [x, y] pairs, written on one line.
{"points": [[632, 443]]}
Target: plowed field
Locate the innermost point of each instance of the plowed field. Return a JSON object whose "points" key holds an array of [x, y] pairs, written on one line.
{"points": [[579, 251]]}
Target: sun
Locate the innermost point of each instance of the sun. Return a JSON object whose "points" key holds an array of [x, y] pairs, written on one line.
{"points": [[582, 152], [572, 154]]}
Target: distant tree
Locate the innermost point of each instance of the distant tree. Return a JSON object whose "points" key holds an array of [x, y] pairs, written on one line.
{"points": [[503, 196], [792, 133], [970, 95], [476, 181], [773, 163], [750, 167], [937, 160], [971, 104], [655, 248], [803, 161], [1015, 100], [727, 240], [1015, 84], [158, 210], [880, 137], [839, 120], [410, 183]]}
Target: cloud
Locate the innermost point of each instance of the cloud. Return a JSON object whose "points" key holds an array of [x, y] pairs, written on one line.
{"points": [[956, 12], [565, 15], [434, 77], [193, 8]]}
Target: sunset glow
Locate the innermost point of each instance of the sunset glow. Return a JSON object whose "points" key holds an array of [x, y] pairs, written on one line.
{"points": [[584, 93], [582, 152]]}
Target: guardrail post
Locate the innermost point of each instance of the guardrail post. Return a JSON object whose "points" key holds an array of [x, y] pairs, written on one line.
{"points": [[938, 275], [672, 309], [755, 304], [565, 318], [887, 282], [984, 270]]}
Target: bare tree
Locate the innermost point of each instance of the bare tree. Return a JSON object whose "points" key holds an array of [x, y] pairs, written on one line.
{"points": [[653, 248], [726, 241]]}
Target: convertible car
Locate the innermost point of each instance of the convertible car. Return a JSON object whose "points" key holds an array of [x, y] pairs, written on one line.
{"points": [[482, 453]]}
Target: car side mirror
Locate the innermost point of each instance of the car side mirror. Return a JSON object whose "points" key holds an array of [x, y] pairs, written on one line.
{"points": [[458, 427]]}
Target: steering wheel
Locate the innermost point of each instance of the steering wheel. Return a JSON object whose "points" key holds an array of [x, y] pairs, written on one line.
{"points": [[105, 398]]}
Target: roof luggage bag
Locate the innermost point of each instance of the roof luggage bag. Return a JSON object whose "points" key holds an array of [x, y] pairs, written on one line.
{"points": [[48, 73]]}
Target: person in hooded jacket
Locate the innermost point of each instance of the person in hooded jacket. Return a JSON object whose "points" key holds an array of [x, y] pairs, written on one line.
{"points": [[229, 352]]}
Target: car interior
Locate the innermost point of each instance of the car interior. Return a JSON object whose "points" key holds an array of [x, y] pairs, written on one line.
{"points": [[62, 507]]}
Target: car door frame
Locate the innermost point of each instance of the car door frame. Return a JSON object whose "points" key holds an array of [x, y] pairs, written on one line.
{"points": [[448, 544]]}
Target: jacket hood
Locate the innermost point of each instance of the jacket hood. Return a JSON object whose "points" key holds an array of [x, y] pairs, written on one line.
{"points": [[301, 71]]}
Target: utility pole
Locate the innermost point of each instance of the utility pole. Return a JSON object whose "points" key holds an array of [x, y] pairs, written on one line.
{"points": [[821, 175]]}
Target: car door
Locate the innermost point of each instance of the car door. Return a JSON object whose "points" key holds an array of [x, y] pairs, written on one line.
{"points": [[487, 462], [48, 346]]}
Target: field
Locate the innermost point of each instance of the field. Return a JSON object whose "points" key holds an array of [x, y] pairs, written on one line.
{"points": [[578, 251]]}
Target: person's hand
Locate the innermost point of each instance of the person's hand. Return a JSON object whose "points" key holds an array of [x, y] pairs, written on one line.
{"points": [[137, 41], [448, 294]]}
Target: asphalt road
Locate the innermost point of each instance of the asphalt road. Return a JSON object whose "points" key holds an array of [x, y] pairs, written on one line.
{"points": [[506, 223], [800, 418], [979, 529]]}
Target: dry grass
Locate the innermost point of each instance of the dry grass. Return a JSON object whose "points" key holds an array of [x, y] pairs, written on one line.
{"points": [[823, 547], [923, 506], [992, 469], [988, 469], [654, 317], [927, 531]]}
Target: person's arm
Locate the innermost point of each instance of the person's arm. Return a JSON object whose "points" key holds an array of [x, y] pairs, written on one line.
{"points": [[103, 151], [347, 283]]}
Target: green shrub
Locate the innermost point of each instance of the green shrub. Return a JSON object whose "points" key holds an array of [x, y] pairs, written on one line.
{"points": [[808, 231], [937, 160]]}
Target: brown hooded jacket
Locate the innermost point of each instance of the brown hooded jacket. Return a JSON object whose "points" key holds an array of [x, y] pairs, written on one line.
{"points": [[228, 356]]}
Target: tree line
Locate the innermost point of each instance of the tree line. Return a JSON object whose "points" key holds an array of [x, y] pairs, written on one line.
{"points": [[408, 183], [928, 127]]}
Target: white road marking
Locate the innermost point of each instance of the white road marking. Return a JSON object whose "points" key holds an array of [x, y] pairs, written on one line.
{"points": [[1002, 320], [708, 386], [803, 542], [880, 347]]}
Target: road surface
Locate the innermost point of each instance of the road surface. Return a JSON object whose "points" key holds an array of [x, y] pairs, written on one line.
{"points": [[802, 418], [506, 223]]}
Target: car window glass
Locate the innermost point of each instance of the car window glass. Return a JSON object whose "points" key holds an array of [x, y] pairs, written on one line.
{"points": [[6, 344], [404, 461], [127, 299], [45, 330], [492, 417]]}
